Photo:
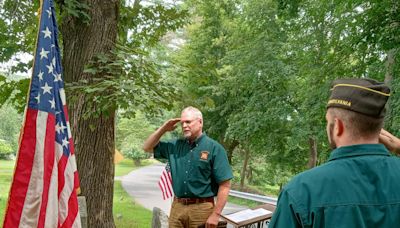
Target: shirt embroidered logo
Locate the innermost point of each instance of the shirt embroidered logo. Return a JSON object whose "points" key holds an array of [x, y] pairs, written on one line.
{"points": [[204, 155]]}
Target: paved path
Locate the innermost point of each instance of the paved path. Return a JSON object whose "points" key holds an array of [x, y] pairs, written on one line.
{"points": [[142, 185]]}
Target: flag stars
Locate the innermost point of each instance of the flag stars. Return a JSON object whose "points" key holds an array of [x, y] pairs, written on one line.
{"points": [[53, 103], [60, 127], [43, 54], [47, 33], [57, 77], [65, 142], [38, 98], [40, 75], [49, 12], [50, 68], [46, 88]]}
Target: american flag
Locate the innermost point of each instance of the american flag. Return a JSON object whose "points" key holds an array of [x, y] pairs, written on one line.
{"points": [[43, 191], [165, 183]]}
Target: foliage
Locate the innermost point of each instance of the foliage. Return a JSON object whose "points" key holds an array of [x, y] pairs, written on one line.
{"points": [[144, 26], [131, 133], [13, 92], [261, 71], [133, 79], [136, 155], [17, 30], [128, 73], [226, 46], [5, 149], [10, 125]]}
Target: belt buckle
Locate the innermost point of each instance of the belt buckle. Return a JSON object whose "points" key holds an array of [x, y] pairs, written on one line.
{"points": [[184, 201]]}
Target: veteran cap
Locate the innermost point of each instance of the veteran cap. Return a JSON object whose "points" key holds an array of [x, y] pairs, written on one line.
{"points": [[364, 96]]}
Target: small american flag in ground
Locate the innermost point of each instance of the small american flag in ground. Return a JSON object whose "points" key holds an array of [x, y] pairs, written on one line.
{"points": [[165, 183], [43, 191]]}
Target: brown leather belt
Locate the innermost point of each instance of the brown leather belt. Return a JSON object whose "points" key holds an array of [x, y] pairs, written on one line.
{"points": [[187, 201]]}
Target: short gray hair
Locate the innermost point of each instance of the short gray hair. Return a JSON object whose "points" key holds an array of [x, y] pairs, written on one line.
{"points": [[193, 110]]}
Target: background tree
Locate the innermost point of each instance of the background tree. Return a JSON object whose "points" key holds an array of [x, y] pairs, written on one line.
{"points": [[130, 135], [10, 125]]}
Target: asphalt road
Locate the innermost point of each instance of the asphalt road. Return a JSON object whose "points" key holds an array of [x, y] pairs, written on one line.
{"points": [[142, 185]]}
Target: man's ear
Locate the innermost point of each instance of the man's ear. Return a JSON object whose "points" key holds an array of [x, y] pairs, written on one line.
{"points": [[339, 127]]}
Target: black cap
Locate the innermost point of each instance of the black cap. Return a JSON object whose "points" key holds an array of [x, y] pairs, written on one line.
{"points": [[365, 96]]}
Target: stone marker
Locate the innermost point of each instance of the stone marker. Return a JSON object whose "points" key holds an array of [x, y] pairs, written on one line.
{"points": [[82, 210], [160, 218]]}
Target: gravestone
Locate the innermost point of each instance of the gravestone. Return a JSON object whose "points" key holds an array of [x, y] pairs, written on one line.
{"points": [[160, 218], [82, 210]]}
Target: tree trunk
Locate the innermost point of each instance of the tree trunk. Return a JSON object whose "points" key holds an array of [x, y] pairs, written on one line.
{"points": [[313, 152], [229, 146], [230, 149], [243, 174], [137, 162], [94, 136], [389, 65], [389, 74], [249, 175]]}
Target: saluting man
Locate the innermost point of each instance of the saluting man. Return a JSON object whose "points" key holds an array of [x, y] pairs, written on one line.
{"points": [[199, 168]]}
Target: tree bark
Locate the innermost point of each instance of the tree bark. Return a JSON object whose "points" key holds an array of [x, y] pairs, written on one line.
{"points": [[230, 150], [389, 65], [312, 162], [229, 147], [389, 75], [93, 137], [137, 162], [243, 174]]}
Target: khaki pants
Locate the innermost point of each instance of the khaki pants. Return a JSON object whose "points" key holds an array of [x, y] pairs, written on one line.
{"points": [[189, 216]]}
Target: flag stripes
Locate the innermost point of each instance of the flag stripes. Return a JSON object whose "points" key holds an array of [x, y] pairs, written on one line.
{"points": [[165, 183], [44, 188]]}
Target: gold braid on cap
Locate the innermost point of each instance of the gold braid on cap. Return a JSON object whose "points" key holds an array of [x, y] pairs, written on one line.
{"points": [[362, 87]]}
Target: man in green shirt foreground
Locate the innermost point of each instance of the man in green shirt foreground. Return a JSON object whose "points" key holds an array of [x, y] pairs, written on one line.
{"points": [[199, 170], [359, 186]]}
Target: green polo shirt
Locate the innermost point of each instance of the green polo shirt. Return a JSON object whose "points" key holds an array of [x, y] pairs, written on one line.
{"points": [[358, 187], [196, 168]]}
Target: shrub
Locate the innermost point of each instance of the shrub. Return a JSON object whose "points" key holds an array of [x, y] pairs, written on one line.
{"points": [[5, 149]]}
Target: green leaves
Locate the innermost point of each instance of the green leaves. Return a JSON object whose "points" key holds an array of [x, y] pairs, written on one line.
{"points": [[14, 92], [76, 9], [17, 30], [129, 80], [144, 26], [10, 125]]}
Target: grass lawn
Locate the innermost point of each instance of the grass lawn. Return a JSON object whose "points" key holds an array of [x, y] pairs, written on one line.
{"points": [[127, 165], [243, 202], [6, 171], [127, 213]]}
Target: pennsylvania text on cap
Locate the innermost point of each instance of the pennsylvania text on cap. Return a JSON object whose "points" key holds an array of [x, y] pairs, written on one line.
{"points": [[364, 96]]}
